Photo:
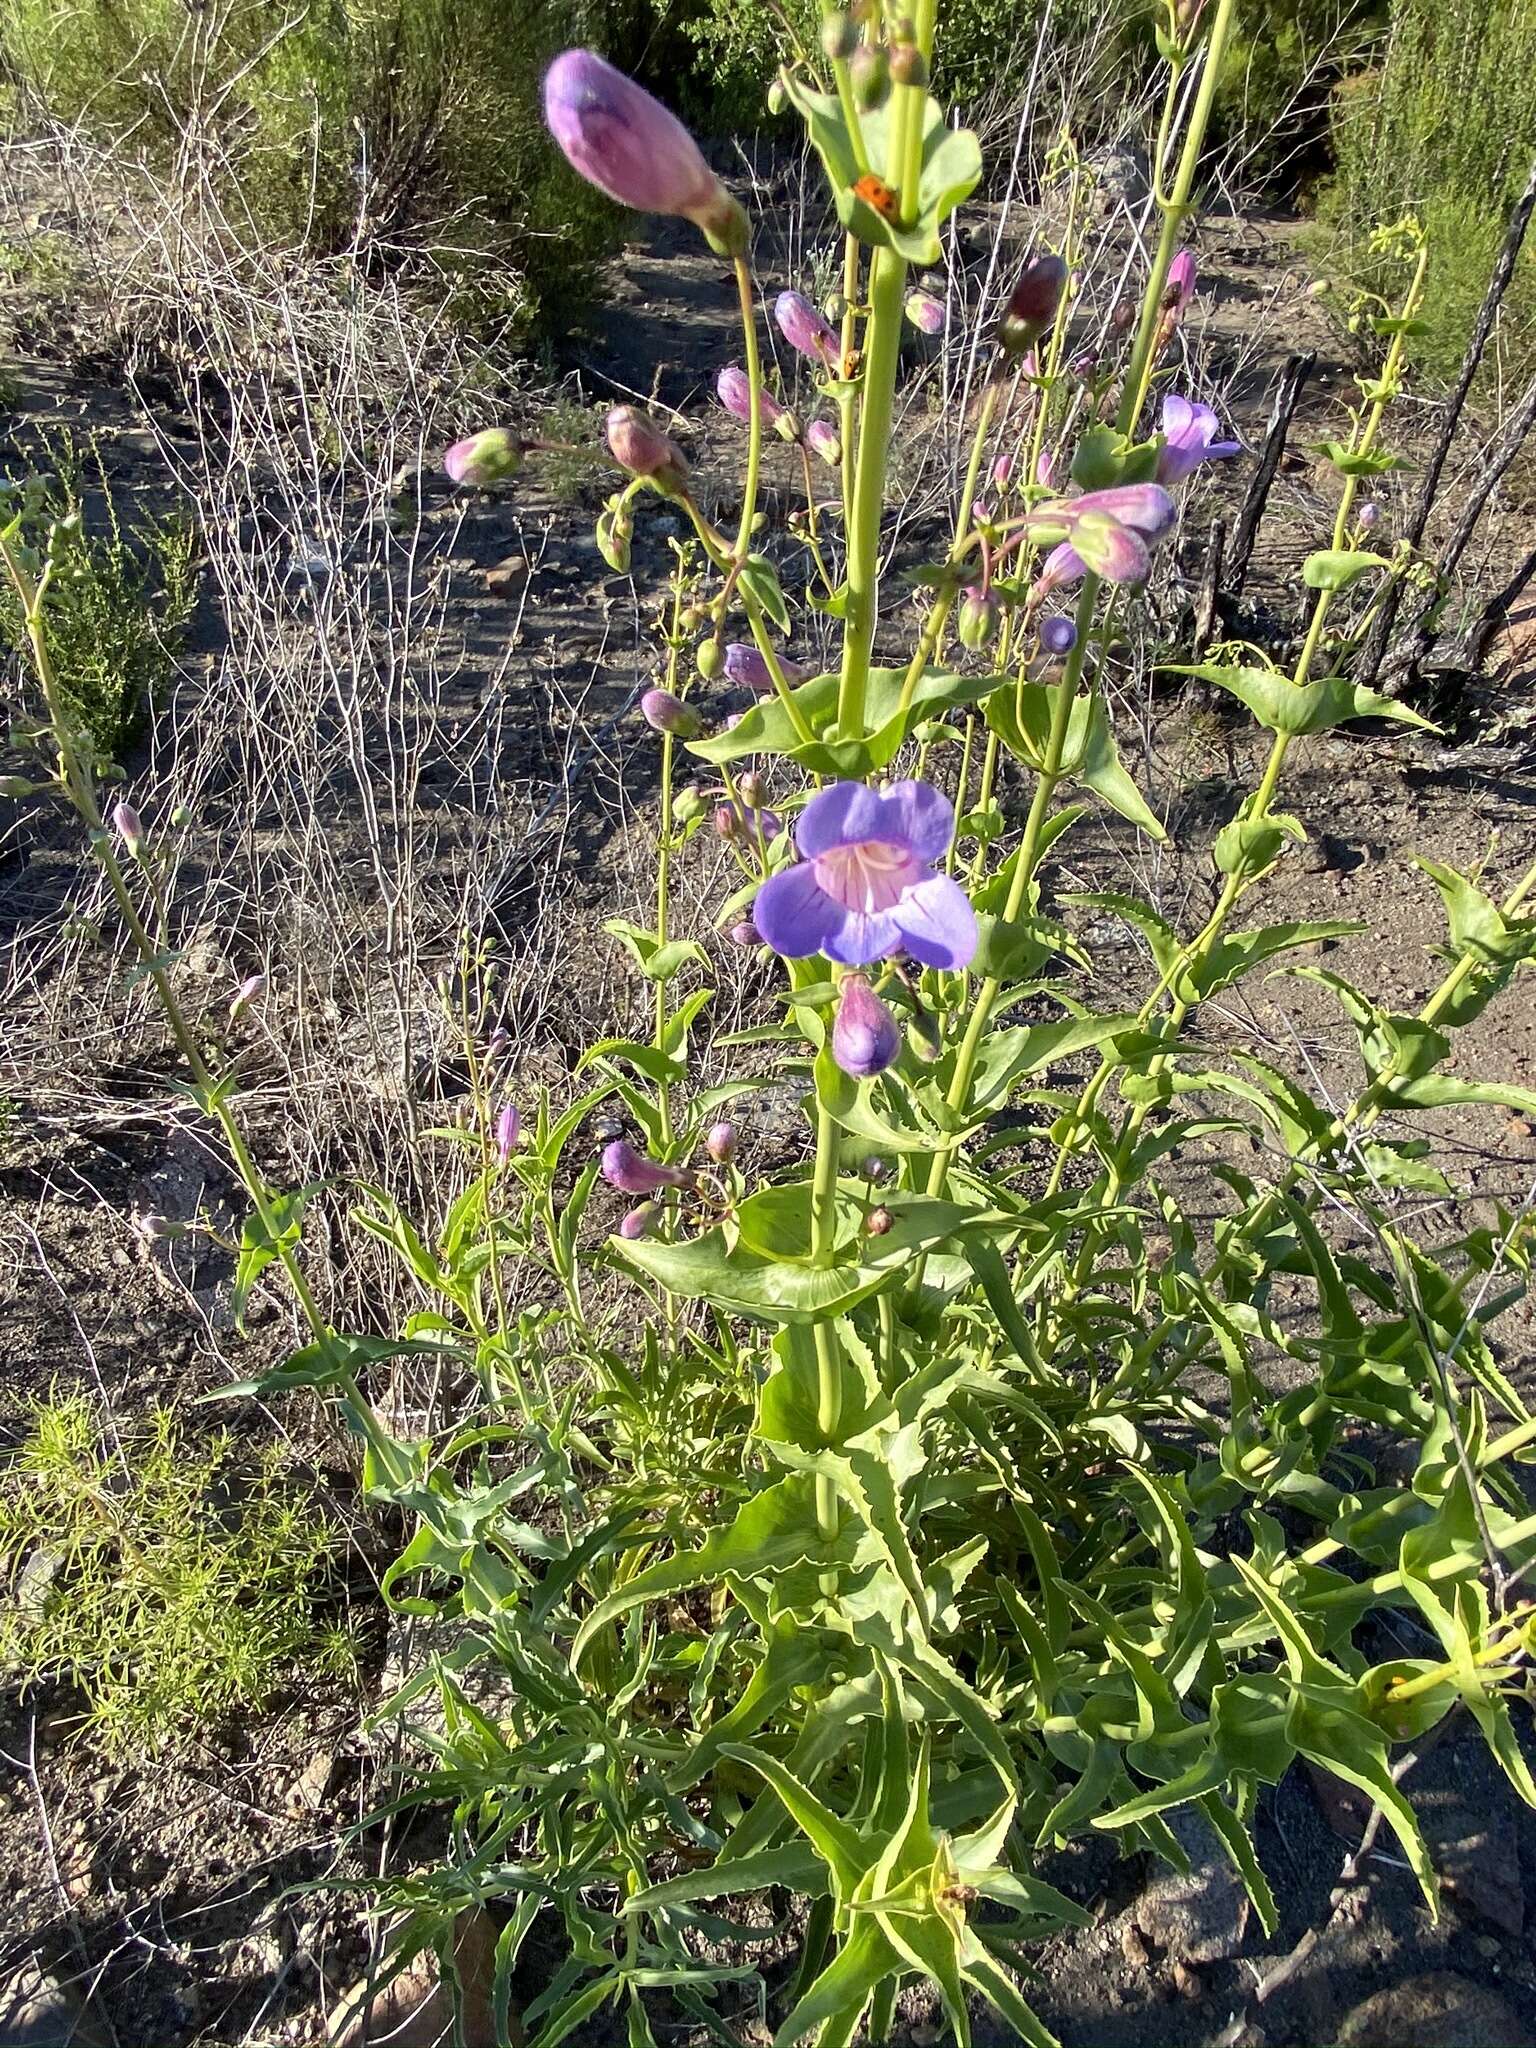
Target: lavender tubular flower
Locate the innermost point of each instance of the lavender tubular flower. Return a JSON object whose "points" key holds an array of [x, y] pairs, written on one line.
{"points": [[865, 1036], [1190, 436], [509, 1131], [805, 329], [1110, 550], [1182, 274], [733, 388], [868, 881], [633, 1174], [745, 667], [628, 145]]}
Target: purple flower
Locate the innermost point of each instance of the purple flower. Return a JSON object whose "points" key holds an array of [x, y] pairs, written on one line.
{"points": [[1182, 272], [745, 934], [865, 1036], [867, 880], [733, 388], [509, 1132], [804, 328], [1189, 438], [129, 827], [745, 666], [629, 146], [489, 457], [925, 313], [822, 439], [1368, 517], [720, 1143], [633, 1174], [1111, 534], [664, 712], [1058, 635], [637, 444]]}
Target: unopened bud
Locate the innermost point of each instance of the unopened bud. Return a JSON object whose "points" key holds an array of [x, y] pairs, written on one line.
{"points": [[640, 1222], [1032, 306], [1369, 516], [753, 788], [1058, 636], [664, 712], [876, 1169], [689, 803], [487, 458], [1002, 472], [720, 1143], [1122, 318], [728, 821], [778, 97], [710, 659], [251, 990], [909, 66], [869, 70], [835, 307], [128, 826], [156, 1228], [745, 934], [839, 37], [978, 619], [878, 1222], [637, 444], [613, 535], [17, 785]]}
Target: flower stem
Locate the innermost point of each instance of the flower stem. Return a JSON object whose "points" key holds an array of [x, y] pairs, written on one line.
{"points": [[863, 527]]}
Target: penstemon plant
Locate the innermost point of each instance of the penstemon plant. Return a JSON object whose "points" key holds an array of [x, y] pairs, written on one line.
{"points": [[856, 1533]]}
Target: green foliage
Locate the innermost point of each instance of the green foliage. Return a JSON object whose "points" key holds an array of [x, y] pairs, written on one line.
{"points": [[349, 120], [120, 600], [1443, 124], [1285, 56], [168, 1578]]}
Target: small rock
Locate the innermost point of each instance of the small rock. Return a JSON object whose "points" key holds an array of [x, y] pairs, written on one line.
{"points": [[1517, 1127], [37, 2010], [508, 576], [1132, 1947], [1201, 1918], [1186, 1981], [1436, 2010], [308, 1791], [417, 2009]]}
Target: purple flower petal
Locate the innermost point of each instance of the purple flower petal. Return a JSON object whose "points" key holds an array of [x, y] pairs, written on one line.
{"points": [[912, 815], [622, 140], [793, 913], [938, 923]]}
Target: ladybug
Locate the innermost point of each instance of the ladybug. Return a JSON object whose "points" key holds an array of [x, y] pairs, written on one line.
{"points": [[876, 193]]}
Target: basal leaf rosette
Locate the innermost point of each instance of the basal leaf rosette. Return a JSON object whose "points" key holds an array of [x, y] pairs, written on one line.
{"points": [[951, 170]]}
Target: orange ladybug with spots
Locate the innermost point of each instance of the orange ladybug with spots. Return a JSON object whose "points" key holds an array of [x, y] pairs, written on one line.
{"points": [[875, 192]]}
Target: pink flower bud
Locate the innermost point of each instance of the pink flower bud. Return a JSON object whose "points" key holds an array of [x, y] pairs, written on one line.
{"points": [[878, 1222], [663, 712], [499, 1044], [925, 313], [745, 934], [720, 1143], [638, 445], [823, 440], [1002, 472], [128, 827], [733, 388], [1032, 306], [754, 790], [1369, 516], [509, 1132], [251, 990], [865, 1037], [486, 458], [1045, 468], [804, 328], [1182, 273], [629, 146], [640, 1222]]}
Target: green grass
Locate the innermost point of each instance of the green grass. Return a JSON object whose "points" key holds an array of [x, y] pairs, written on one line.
{"points": [[168, 1578], [1443, 125], [119, 602]]}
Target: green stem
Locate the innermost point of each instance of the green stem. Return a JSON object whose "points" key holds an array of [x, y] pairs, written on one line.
{"points": [[755, 425], [883, 337]]}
